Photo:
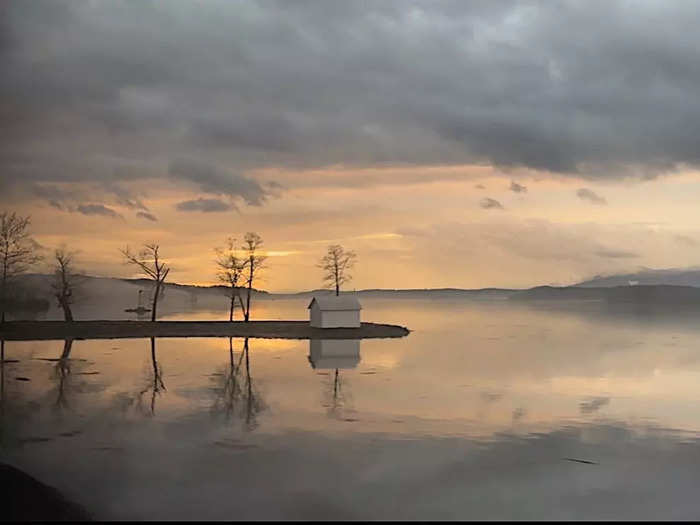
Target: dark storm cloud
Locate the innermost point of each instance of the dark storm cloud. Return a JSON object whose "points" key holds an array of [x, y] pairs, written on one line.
{"points": [[204, 205], [517, 188], [97, 209], [593, 405], [594, 88], [211, 180], [69, 198], [590, 196], [51, 193], [124, 197], [616, 254], [147, 216], [489, 203]]}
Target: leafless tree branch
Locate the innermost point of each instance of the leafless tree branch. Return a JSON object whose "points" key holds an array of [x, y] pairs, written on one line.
{"points": [[336, 265], [148, 261]]}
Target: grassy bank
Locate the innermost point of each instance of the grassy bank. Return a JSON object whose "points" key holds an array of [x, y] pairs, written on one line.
{"points": [[46, 330]]}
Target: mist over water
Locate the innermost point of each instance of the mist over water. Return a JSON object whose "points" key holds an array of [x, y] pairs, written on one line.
{"points": [[488, 409]]}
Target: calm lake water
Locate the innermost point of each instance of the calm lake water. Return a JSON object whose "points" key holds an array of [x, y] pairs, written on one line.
{"points": [[486, 410]]}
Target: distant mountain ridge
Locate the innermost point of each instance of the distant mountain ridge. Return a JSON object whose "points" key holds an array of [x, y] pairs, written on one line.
{"points": [[662, 294], [647, 276], [646, 286]]}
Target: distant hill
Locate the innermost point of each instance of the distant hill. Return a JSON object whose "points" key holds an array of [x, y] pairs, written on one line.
{"points": [[640, 294], [111, 296], [671, 276], [483, 293]]}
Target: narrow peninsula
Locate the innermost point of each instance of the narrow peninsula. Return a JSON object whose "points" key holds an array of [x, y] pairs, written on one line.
{"points": [[47, 330]]}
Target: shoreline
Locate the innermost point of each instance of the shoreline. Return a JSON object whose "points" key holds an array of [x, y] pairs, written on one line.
{"points": [[60, 330], [28, 499]]}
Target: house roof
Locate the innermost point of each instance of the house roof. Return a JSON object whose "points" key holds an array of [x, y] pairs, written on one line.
{"points": [[339, 302]]}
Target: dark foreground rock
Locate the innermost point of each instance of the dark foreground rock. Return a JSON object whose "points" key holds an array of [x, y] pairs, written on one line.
{"points": [[40, 330], [28, 499]]}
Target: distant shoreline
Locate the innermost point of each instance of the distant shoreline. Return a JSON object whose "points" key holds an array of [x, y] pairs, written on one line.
{"points": [[59, 330]]}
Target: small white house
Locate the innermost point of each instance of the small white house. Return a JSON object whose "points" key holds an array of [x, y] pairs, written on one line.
{"points": [[325, 354], [331, 311]]}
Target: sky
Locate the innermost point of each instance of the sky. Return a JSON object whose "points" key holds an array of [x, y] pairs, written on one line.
{"points": [[448, 143]]}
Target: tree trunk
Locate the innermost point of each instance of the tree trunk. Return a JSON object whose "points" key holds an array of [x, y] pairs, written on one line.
{"points": [[240, 300], [233, 303], [67, 346], [2, 304], [3, 293], [250, 285], [155, 301], [153, 357], [337, 289], [67, 314]]}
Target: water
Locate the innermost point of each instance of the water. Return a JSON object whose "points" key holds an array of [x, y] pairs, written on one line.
{"points": [[486, 410]]}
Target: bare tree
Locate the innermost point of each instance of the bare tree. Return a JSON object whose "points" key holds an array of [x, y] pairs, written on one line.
{"points": [[254, 264], [18, 251], [148, 261], [66, 281], [336, 265], [230, 270]]}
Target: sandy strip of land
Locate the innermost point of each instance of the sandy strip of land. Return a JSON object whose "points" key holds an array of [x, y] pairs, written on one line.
{"points": [[48, 330]]}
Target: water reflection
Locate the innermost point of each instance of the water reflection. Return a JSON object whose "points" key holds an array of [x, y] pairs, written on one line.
{"points": [[154, 383], [71, 377], [517, 413], [2, 376], [236, 395], [327, 354], [228, 392], [62, 371], [335, 355]]}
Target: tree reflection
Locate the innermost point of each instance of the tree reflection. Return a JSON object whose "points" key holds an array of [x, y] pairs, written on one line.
{"points": [[2, 376], [335, 399], [155, 383], [62, 373], [229, 392], [236, 395]]}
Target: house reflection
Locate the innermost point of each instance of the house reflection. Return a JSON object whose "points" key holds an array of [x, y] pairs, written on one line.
{"points": [[329, 354], [335, 355]]}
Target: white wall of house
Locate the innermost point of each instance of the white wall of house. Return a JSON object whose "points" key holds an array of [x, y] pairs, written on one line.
{"points": [[315, 316], [334, 318]]}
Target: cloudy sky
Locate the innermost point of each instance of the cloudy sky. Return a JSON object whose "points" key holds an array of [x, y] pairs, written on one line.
{"points": [[449, 143]]}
